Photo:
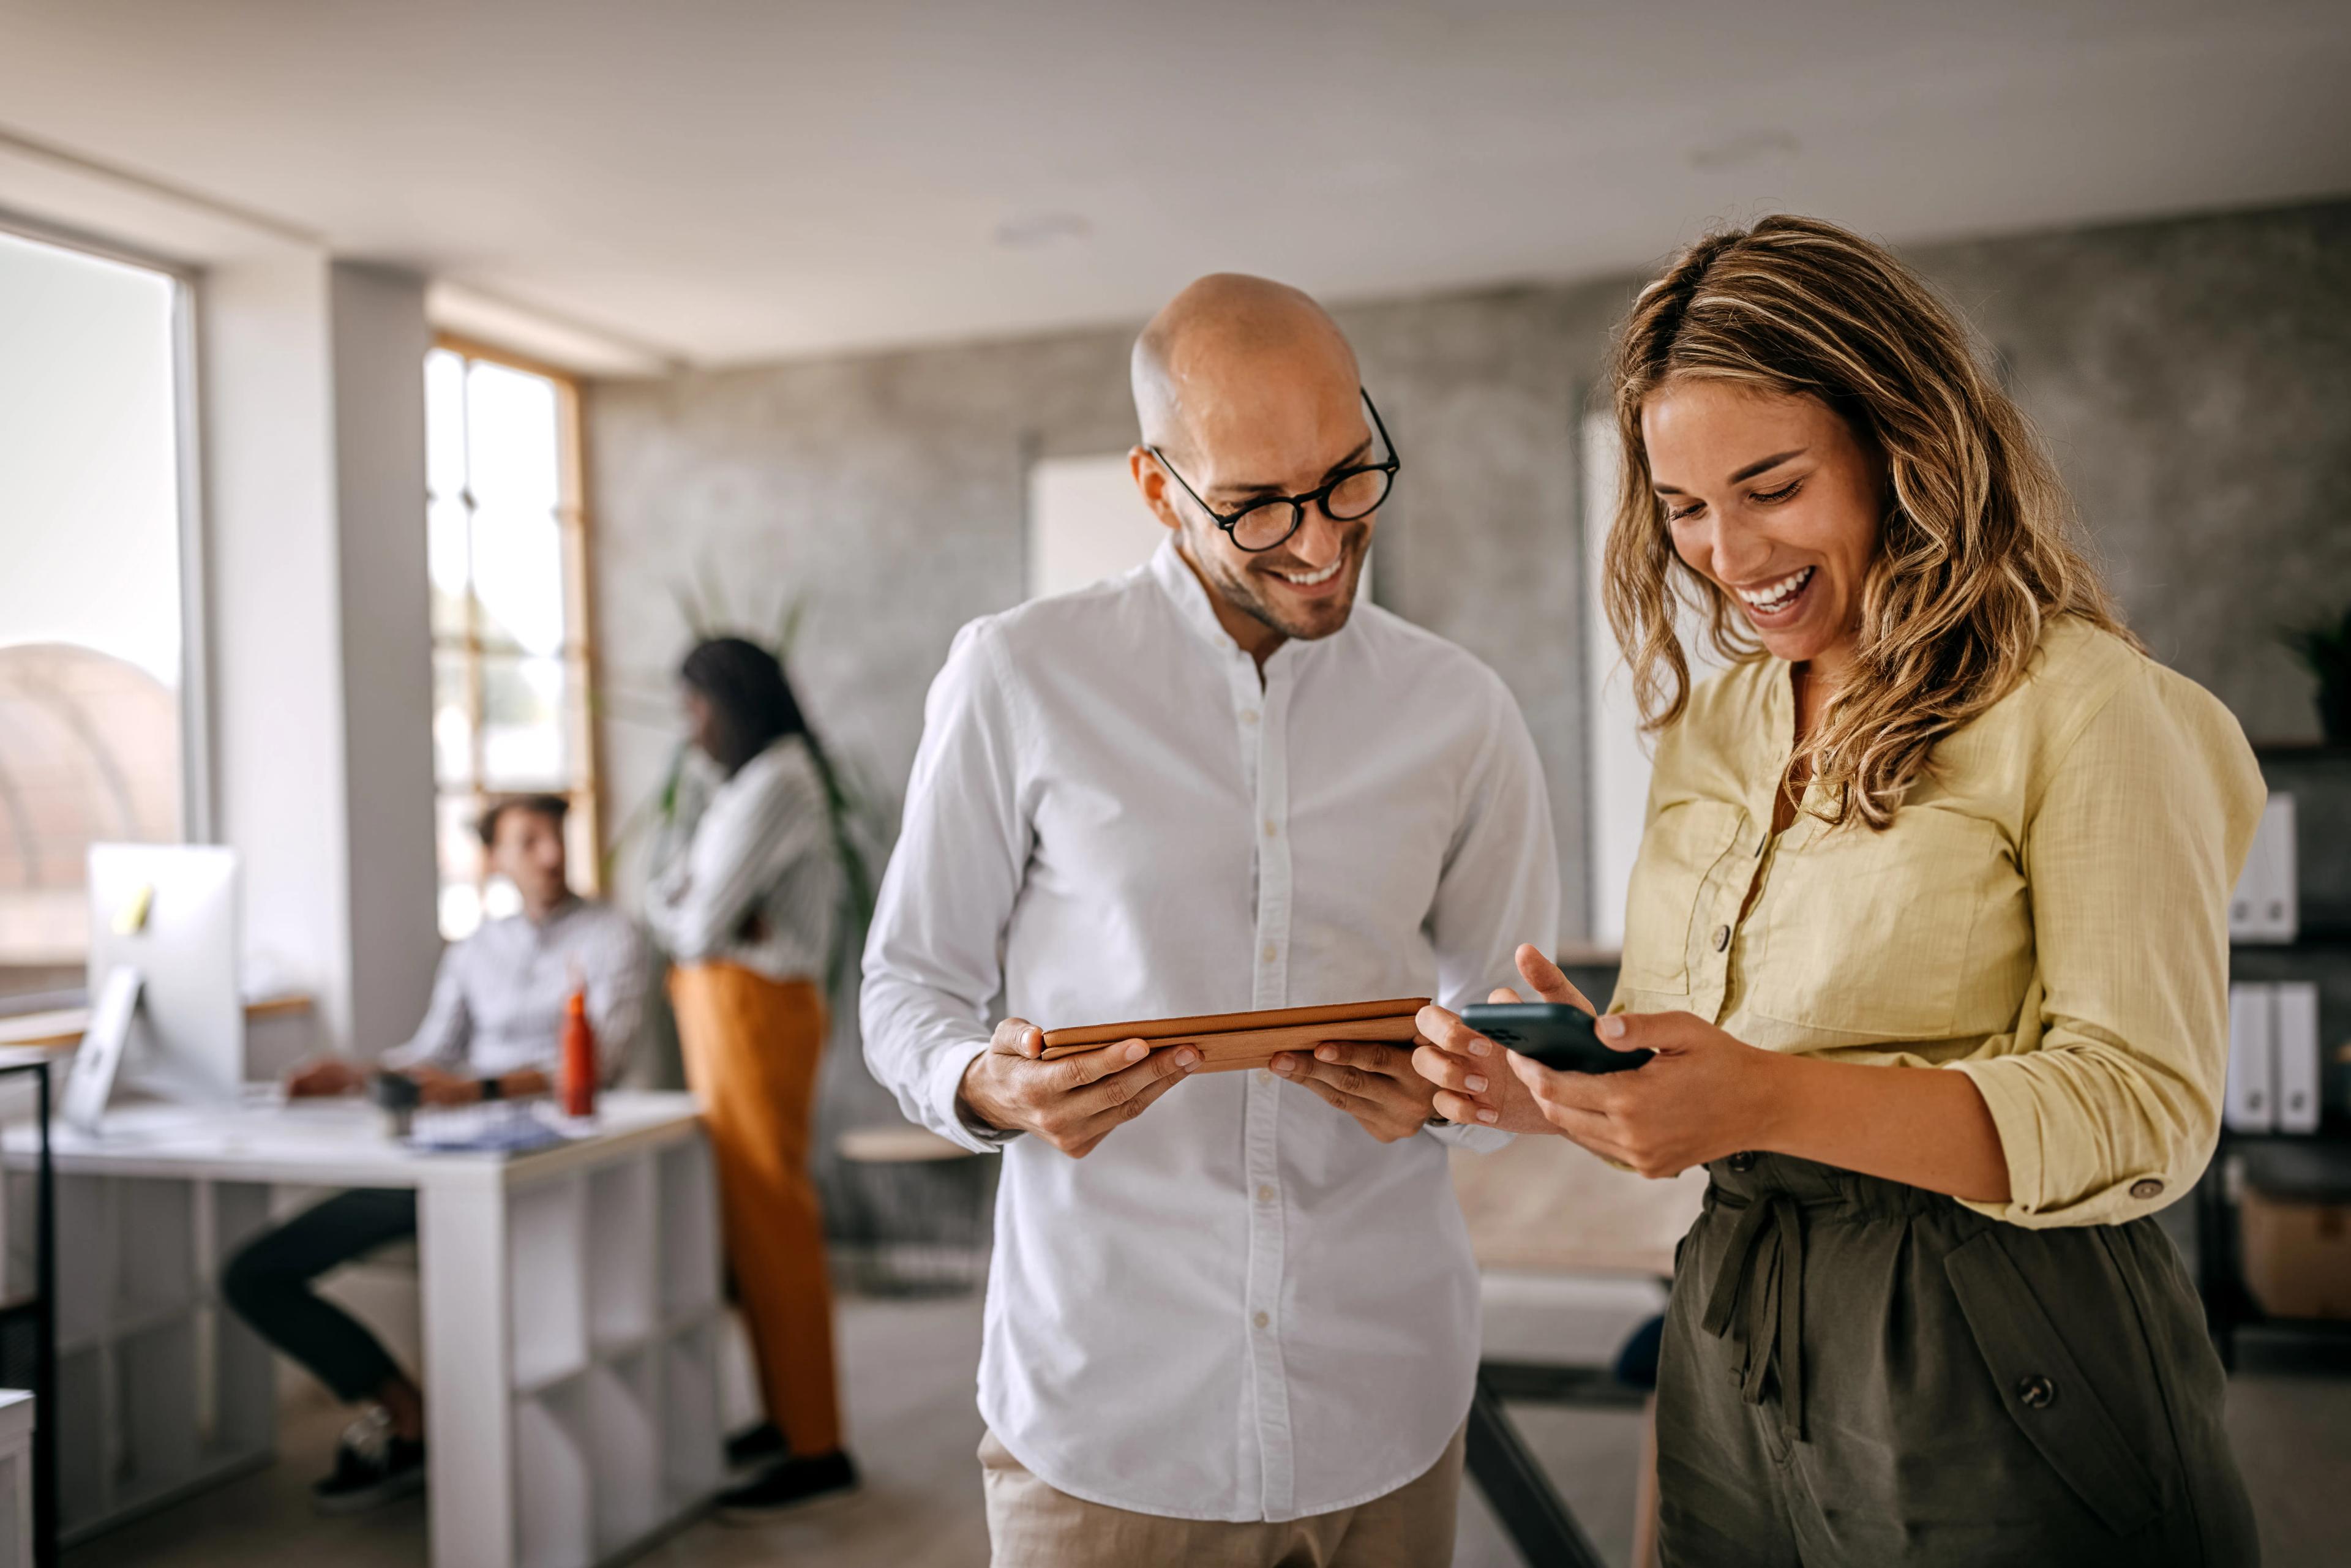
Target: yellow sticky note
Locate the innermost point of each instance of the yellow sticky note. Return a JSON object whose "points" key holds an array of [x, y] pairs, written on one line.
{"points": [[131, 918]]}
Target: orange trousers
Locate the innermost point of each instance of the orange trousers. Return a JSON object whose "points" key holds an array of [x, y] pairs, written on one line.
{"points": [[752, 1046]]}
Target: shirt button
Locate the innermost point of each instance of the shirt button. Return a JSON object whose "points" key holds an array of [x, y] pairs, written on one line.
{"points": [[1265, 1193], [2036, 1391], [1264, 1075], [1261, 1319], [2147, 1188], [1271, 828], [1249, 715], [1722, 938], [1268, 955], [1741, 1162]]}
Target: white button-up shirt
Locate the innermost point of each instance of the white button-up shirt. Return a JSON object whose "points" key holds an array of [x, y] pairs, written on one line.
{"points": [[1240, 1306], [500, 997]]}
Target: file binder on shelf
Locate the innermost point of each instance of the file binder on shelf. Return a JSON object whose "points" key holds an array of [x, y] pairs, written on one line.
{"points": [[2265, 906], [2250, 1105], [2295, 1038]]}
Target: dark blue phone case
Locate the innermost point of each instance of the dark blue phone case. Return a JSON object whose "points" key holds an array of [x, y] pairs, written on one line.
{"points": [[1557, 1035]]}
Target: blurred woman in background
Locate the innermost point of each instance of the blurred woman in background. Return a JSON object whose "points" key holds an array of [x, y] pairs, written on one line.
{"points": [[748, 912], [1928, 933]]}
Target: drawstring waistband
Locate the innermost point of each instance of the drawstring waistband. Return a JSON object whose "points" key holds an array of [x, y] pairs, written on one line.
{"points": [[1763, 1266]]}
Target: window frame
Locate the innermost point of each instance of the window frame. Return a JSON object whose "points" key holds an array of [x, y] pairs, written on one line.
{"points": [[574, 520], [199, 823]]}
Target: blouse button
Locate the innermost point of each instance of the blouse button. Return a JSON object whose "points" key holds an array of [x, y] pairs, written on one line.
{"points": [[1741, 1162], [2036, 1391], [1722, 938], [2147, 1188]]}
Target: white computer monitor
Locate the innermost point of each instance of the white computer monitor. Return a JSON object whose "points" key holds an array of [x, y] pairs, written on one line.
{"points": [[170, 912]]}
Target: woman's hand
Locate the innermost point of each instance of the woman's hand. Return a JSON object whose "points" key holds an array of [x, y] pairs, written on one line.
{"points": [[1704, 1095], [1467, 1068]]}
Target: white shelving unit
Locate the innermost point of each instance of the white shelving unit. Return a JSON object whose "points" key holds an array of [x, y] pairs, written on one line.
{"points": [[152, 1373], [569, 1302], [614, 1290]]}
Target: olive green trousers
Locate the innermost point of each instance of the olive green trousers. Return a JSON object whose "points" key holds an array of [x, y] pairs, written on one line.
{"points": [[1856, 1372]]}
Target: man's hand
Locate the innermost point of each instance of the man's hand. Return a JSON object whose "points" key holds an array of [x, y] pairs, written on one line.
{"points": [[1374, 1083], [326, 1076], [1072, 1102], [1472, 1082], [436, 1086]]}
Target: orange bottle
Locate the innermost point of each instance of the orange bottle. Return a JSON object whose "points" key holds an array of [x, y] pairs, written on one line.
{"points": [[579, 1057]]}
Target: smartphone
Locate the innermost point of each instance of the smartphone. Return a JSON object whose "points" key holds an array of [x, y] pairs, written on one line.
{"points": [[1558, 1036]]}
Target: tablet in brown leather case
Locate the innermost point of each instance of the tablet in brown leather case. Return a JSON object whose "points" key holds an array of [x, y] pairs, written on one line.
{"points": [[1228, 1042]]}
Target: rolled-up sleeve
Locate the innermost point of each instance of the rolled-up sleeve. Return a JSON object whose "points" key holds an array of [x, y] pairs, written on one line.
{"points": [[932, 961], [2108, 1098]]}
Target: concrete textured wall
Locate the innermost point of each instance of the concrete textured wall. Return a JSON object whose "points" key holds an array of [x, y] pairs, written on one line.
{"points": [[2193, 376], [2194, 380]]}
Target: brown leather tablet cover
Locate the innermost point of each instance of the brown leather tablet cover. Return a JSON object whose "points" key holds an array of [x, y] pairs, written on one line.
{"points": [[1228, 1042]]}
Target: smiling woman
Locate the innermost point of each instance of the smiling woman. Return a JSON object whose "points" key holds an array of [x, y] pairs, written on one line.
{"points": [[1927, 935], [1772, 355]]}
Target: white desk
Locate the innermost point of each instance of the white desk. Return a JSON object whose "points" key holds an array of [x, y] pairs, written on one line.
{"points": [[571, 1315]]}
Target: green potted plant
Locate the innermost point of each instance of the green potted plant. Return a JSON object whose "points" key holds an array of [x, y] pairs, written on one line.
{"points": [[2325, 652]]}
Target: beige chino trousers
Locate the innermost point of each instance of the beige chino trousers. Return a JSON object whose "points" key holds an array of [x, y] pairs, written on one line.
{"points": [[1034, 1525]]}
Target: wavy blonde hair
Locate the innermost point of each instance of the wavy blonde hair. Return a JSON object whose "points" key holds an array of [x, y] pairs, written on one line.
{"points": [[1975, 554]]}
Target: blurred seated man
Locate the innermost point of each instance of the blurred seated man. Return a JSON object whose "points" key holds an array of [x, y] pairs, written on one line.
{"points": [[492, 1032]]}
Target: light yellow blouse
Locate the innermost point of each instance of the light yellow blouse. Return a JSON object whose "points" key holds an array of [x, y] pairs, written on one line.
{"points": [[2047, 915]]}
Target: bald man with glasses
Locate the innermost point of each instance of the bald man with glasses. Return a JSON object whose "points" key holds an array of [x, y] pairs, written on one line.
{"points": [[1214, 784]]}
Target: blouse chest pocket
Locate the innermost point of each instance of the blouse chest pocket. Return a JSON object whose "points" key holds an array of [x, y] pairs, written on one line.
{"points": [[1679, 854], [1870, 933]]}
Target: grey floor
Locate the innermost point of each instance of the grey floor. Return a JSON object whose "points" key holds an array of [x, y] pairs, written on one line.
{"points": [[908, 1369]]}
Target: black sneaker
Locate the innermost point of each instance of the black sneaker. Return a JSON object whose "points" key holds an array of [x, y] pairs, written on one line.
{"points": [[373, 1466], [789, 1483], [755, 1445]]}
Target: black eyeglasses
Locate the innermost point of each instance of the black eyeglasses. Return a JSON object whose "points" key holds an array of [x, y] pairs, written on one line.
{"points": [[1350, 495]]}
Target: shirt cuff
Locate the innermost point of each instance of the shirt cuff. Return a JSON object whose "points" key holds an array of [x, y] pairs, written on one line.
{"points": [[944, 1098], [2024, 1125]]}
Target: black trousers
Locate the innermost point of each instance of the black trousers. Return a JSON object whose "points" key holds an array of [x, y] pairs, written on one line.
{"points": [[269, 1283], [1857, 1374]]}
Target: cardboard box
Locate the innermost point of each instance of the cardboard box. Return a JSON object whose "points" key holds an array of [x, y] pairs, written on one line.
{"points": [[2297, 1256]]}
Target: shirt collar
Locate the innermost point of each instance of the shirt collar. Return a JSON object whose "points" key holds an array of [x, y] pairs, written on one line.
{"points": [[1190, 596], [556, 916]]}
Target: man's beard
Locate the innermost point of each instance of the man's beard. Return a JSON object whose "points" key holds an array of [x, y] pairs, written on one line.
{"points": [[1244, 591]]}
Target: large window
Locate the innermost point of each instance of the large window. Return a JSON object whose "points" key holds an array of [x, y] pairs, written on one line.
{"points": [[510, 668], [91, 624]]}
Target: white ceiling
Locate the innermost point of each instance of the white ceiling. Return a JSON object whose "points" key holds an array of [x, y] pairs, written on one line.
{"points": [[724, 180]]}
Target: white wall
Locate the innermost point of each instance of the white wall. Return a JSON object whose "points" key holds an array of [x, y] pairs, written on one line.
{"points": [[311, 546], [379, 339], [1086, 521], [1618, 752], [273, 589]]}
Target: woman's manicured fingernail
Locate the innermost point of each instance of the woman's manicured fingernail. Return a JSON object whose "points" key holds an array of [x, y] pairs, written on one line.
{"points": [[1136, 1051], [1476, 1083], [1611, 1028], [1489, 1116], [1326, 1053], [1479, 1045], [1281, 1064], [1187, 1056]]}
